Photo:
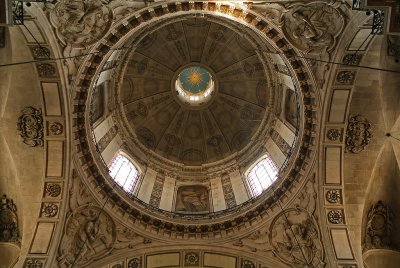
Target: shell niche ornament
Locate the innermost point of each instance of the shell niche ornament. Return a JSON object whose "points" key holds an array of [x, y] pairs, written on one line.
{"points": [[313, 28], [81, 23]]}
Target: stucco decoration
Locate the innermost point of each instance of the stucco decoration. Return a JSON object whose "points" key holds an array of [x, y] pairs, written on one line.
{"points": [[8, 220], [358, 134], [295, 239], [126, 238], [89, 235], [81, 23], [313, 28], [30, 126], [379, 227]]}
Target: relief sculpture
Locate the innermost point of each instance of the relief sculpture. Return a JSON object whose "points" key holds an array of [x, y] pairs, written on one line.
{"points": [[81, 23], [89, 235], [295, 239], [313, 28]]}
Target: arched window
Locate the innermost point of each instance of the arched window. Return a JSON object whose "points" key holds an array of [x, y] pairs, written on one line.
{"points": [[262, 175], [124, 172]]}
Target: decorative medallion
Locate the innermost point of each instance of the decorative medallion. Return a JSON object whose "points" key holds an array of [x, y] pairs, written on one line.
{"points": [[40, 52], [345, 77], [49, 210], [30, 125], [34, 263], [192, 259], [89, 235], [53, 189], [46, 70], [334, 134], [247, 264], [378, 233], [352, 59], [81, 23], [295, 238], [335, 216], [313, 28], [333, 196], [135, 263], [146, 137], [8, 220], [56, 128], [358, 134]]}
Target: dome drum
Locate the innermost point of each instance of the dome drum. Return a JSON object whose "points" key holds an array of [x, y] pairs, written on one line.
{"points": [[247, 210]]}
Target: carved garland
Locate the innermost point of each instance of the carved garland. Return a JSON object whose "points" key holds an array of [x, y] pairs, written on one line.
{"points": [[93, 62]]}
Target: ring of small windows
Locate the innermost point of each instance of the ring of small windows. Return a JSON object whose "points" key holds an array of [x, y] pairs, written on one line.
{"points": [[124, 172], [261, 175]]}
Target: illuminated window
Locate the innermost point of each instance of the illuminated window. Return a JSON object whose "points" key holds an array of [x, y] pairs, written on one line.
{"points": [[124, 173], [262, 175]]}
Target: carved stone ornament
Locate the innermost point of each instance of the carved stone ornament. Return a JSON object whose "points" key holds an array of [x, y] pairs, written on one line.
{"points": [[46, 70], [135, 263], [53, 189], [34, 263], [30, 125], [49, 210], [358, 134], [56, 128], [247, 264], [345, 77], [313, 28], [89, 235], [8, 220], [192, 259], [333, 196], [335, 216], [40, 52], [379, 227], [81, 23], [295, 239], [334, 134]]}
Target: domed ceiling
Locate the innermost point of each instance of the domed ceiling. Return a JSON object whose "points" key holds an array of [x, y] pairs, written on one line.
{"points": [[177, 130]]}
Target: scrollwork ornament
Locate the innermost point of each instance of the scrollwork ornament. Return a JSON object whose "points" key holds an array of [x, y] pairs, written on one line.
{"points": [[313, 28], [30, 126], [378, 231], [358, 134]]}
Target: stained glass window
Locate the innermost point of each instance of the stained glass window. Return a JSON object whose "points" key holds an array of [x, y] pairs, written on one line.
{"points": [[124, 173], [262, 175]]}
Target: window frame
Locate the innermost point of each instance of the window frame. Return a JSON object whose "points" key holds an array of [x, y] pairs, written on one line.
{"points": [[137, 182], [249, 181]]}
